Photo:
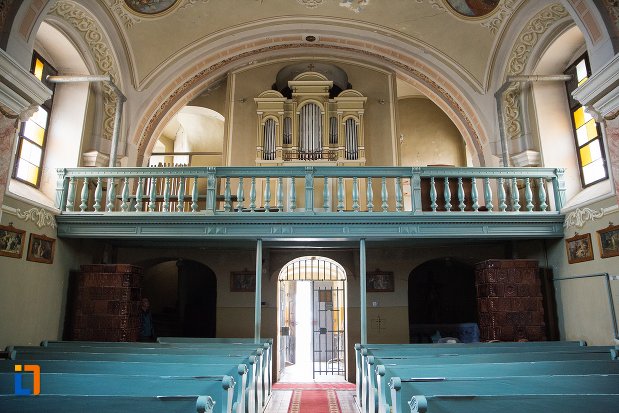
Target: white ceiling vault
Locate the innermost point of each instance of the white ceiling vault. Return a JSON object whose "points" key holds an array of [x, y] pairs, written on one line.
{"points": [[426, 27]]}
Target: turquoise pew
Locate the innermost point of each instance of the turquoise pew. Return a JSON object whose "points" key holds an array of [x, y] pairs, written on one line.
{"points": [[219, 388]]}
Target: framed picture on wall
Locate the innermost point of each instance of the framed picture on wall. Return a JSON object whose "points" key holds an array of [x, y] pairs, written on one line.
{"points": [[41, 249], [609, 241], [379, 281], [242, 281], [579, 248], [11, 241]]}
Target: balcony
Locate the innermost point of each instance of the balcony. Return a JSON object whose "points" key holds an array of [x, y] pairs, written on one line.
{"points": [[313, 202]]}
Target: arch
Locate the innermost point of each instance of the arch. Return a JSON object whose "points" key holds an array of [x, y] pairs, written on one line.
{"points": [[312, 268], [441, 294], [436, 85]]}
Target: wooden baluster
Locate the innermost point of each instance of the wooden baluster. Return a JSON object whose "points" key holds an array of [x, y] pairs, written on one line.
{"points": [[111, 194], [528, 194], [433, 203], [71, 195], [138, 195], [326, 204], [541, 193], [293, 194], [488, 195], [461, 205], [474, 194], [267, 195], [252, 194], [370, 195], [384, 195], [194, 195], [279, 194], [227, 204], [124, 206], [98, 195], [84, 203], [153, 194], [447, 194], [515, 195], [180, 206], [240, 195], [340, 194], [166, 195], [398, 194], [355, 194], [501, 190]]}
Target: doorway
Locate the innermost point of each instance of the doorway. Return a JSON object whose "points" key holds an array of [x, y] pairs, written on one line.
{"points": [[312, 320]]}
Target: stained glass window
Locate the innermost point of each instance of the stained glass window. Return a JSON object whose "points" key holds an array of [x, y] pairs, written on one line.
{"points": [[33, 132], [587, 132]]}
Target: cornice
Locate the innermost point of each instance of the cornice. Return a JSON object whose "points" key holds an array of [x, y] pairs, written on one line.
{"points": [[19, 88], [602, 89]]}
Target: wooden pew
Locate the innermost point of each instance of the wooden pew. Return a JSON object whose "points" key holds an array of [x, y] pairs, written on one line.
{"points": [[384, 373], [244, 393], [76, 404], [254, 391], [486, 353], [554, 387], [219, 388]]}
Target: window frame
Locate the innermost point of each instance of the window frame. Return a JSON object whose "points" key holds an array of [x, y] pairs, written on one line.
{"points": [[573, 106], [46, 106]]}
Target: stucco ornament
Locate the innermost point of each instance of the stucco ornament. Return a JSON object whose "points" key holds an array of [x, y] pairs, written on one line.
{"points": [[39, 216], [311, 4], [579, 217]]}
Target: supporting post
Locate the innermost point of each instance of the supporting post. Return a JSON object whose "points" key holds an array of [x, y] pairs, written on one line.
{"points": [[363, 299], [258, 304]]}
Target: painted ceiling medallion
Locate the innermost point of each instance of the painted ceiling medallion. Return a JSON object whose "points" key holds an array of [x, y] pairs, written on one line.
{"points": [[311, 4], [150, 6], [473, 8]]}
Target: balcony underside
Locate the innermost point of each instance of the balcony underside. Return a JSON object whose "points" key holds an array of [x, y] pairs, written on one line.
{"points": [[296, 226]]}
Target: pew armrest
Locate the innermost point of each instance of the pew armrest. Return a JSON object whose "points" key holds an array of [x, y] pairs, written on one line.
{"points": [[205, 404], [418, 404]]}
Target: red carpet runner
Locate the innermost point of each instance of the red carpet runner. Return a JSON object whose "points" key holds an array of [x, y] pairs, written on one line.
{"points": [[314, 401]]}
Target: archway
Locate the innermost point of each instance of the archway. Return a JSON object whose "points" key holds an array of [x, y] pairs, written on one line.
{"points": [[311, 320], [442, 301], [183, 296]]}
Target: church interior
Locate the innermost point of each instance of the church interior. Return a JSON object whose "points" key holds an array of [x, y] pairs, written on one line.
{"points": [[318, 172]]}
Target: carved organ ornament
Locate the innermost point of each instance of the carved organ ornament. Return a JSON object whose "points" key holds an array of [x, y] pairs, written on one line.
{"points": [[310, 125]]}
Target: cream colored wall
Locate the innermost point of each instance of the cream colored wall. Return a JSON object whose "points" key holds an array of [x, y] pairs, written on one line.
{"points": [[249, 83], [33, 295], [429, 136]]}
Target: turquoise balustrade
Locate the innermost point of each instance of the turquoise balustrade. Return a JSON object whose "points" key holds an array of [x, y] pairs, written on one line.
{"points": [[308, 190]]}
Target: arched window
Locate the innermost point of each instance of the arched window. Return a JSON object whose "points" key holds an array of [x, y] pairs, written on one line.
{"points": [[310, 133], [269, 140], [587, 132], [350, 128], [33, 132]]}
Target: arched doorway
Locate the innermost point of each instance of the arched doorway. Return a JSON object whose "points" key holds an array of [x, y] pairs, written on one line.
{"points": [[442, 301], [312, 320], [183, 296]]}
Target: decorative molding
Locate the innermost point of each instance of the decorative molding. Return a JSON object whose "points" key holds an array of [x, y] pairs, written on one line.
{"points": [[85, 24], [436, 4], [354, 5], [40, 216], [506, 9], [601, 91], [580, 216], [311, 4], [19, 89], [189, 3], [127, 19], [521, 51], [613, 12]]}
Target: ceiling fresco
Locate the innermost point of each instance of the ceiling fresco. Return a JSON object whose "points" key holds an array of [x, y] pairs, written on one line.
{"points": [[150, 6], [473, 8]]}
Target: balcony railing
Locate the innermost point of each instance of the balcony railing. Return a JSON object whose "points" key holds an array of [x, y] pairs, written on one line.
{"points": [[310, 190]]}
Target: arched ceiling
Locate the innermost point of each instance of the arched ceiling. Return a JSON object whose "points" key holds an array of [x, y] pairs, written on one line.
{"points": [[429, 25]]}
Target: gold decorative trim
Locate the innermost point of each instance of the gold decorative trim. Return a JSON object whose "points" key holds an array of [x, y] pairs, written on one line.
{"points": [[83, 22]]}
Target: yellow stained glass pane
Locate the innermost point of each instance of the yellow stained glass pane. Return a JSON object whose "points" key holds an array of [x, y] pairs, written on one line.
{"points": [[38, 69], [595, 171], [28, 172], [34, 132], [591, 152], [592, 130], [579, 117], [585, 155], [586, 132]]}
